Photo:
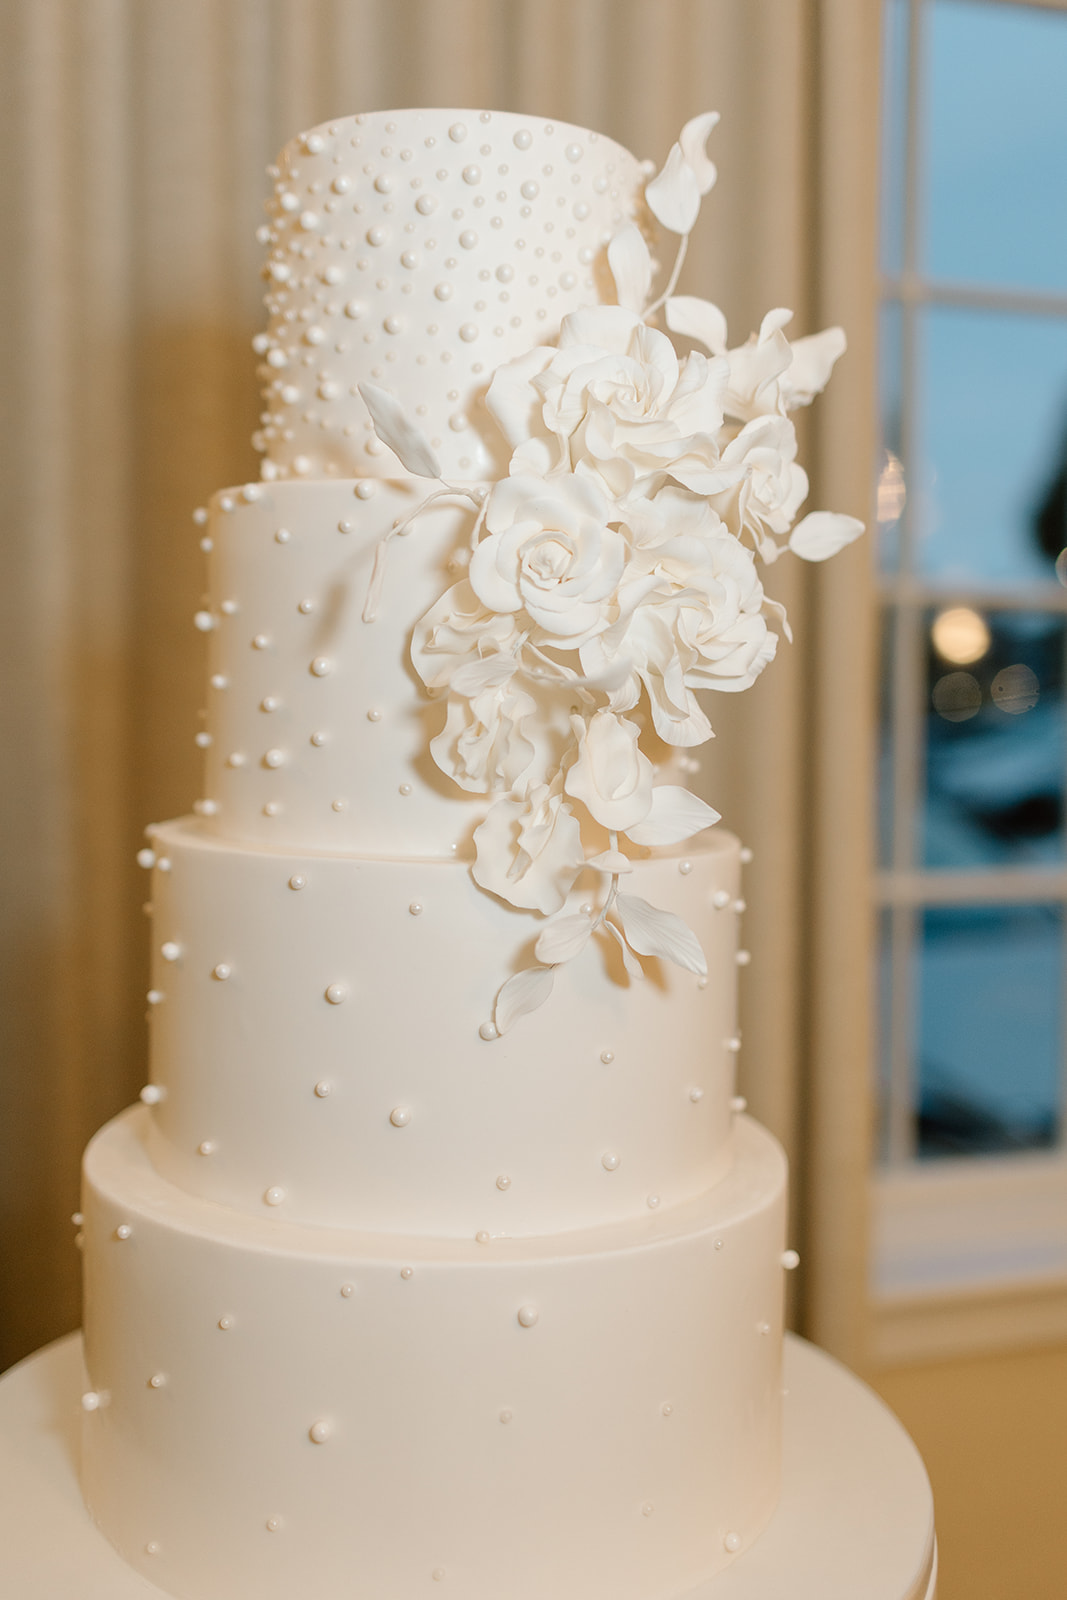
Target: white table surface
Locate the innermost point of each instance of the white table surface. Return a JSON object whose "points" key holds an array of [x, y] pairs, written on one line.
{"points": [[855, 1520]]}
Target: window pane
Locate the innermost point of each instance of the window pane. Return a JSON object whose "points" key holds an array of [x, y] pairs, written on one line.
{"points": [[989, 1028], [991, 501], [995, 745], [995, 119], [894, 130]]}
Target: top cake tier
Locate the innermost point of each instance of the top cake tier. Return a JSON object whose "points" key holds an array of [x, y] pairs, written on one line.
{"points": [[418, 250]]}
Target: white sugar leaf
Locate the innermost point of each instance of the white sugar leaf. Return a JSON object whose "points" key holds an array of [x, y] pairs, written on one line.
{"points": [[675, 815], [395, 429], [673, 195], [521, 994], [631, 267], [652, 932], [693, 138], [822, 534], [633, 967], [564, 938], [697, 319], [610, 861]]}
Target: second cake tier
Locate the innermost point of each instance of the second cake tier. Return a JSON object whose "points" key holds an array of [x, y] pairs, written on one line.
{"points": [[319, 1053]]}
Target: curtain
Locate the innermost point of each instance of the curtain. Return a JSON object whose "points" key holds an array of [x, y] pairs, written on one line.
{"points": [[135, 135]]}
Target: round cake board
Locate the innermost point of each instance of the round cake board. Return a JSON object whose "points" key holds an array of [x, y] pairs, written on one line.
{"points": [[855, 1517]]}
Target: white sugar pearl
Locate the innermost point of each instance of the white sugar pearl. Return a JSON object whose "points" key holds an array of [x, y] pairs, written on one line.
{"points": [[170, 951], [274, 1196], [337, 993], [528, 1316], [732, 1542], [151, 1094], [146, 858], [400, 1116], [319, 1432], [790, 1260], [609, 1161]]}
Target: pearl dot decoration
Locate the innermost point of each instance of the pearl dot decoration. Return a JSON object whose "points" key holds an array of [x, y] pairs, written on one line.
{"points": [[274, 1196], [337, 993], [319, 1432], [224, 1324], [414, 198], [732, 1542], [298, 881], [790, 1260], [123, 1231], [609, 1161], [323, 1089], [170, 951], [400, 1116], [151, 1094], [503, 1182], [157, 1380], [488, 1031], [406, 1273], [91, 1400], [528, 1316], [273, 1524], [222, 971], [607, 1057]]}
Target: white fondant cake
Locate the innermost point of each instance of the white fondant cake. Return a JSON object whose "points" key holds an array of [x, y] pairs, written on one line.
{"points": [[390, 1282]]}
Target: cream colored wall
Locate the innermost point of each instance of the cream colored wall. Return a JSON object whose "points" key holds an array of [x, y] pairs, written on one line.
{"points": [[993, 1432]]}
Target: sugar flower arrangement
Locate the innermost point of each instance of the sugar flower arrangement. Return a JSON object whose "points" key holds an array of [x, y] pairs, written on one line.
{"points": [[611, 575]]}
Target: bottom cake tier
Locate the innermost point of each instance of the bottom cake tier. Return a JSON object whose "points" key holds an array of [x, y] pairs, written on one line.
{"points": [[279, 1409]]}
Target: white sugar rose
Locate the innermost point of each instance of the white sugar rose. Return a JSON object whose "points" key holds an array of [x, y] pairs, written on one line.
{"points": [[612, 778], [529, 852], [548, 551], [614, 398], [456, 631], [482, 746], [702, 626]]}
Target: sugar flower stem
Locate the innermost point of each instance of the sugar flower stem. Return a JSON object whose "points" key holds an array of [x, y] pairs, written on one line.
{"points": [[672, 282]]}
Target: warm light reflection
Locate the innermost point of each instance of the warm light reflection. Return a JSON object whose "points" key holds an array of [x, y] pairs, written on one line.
{"points": [[960, 635], [957, 696], [1016, 689], [891, 490]]}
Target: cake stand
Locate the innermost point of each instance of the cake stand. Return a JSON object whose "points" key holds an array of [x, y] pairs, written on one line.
{"points": [[855, 1517]]}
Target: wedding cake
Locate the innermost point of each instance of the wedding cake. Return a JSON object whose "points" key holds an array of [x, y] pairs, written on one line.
{"points": [[440, 1250]]}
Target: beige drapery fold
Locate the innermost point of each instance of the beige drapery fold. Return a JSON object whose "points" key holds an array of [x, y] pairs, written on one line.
{"points": [[135, 133]]}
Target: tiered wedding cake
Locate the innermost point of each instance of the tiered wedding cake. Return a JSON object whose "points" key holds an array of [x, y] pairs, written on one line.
{"points": [[440, 1250]]}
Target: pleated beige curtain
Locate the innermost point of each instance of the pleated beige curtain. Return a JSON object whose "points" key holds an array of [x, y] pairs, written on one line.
{"points": [[134, 137]]}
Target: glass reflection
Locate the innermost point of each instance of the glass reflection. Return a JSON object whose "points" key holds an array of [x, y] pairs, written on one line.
{"points": [[995, 114], [995, 746], [892, 493], [989, 1028], [993, 419]]}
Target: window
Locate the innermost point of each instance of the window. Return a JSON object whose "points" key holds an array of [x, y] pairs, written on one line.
{"points": [[972, 509]]}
